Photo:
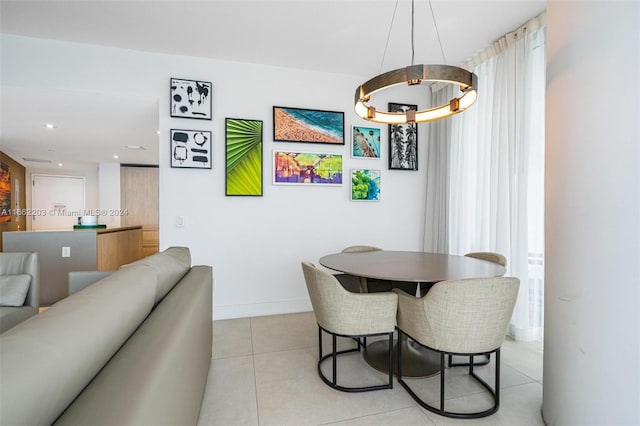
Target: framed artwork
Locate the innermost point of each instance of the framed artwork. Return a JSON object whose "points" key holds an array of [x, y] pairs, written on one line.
{"points": [[365, 142], [243, 157], [307, 168], [308, 125], [5, 193], [403, 141], [191, 149], [365, 185], [191, 99]]}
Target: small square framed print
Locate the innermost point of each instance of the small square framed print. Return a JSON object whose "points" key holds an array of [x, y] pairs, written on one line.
{"points": [[365, 142], [190, 149], [365, 185], [191, 99]]}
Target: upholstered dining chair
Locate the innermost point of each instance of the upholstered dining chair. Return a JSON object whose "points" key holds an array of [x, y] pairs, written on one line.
{"points": [[490, 257], [459, 317], [345, 314], [355, 284]]}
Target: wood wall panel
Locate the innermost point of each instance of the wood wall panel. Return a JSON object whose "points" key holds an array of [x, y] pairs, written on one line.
{"points": [[139, 196], [118, 248]]}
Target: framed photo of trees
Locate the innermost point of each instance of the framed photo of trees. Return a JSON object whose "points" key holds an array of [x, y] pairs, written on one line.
{"points": [[403, 141]]}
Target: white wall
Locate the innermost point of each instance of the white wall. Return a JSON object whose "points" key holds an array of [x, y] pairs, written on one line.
{"points": [[592, 274], [109, 192], [255, 244]]}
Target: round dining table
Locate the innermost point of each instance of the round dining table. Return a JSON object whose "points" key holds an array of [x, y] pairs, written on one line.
{"points": [[422, 268]]}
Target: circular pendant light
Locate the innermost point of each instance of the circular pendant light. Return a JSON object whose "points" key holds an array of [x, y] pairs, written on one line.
{"points": [[415, 75]]}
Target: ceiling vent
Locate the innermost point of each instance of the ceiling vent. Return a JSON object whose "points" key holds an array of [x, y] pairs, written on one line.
{"points": [[36, 160]]}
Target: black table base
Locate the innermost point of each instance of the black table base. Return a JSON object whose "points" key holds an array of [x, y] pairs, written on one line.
{"points": [[417, 361]]}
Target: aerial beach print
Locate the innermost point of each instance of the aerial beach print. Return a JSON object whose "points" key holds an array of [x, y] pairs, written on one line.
{"points": [[365, 142], [308, 125], [307, 168]]}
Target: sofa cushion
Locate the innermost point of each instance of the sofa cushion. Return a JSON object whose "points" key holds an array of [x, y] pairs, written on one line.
{"points": [[50, 358], [13, 289], [171, 265]]}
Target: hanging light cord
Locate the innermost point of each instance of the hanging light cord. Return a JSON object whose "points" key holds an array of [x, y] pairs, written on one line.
{"points": [[388, 35], [435, 25], [413, 50]]}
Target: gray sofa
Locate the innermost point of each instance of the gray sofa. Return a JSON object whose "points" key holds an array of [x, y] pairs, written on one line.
{"points": [[132, 349], [21, 267]]}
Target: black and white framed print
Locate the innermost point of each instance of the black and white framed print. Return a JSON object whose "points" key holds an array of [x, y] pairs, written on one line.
{"points": [[191, 99], [403, 141], [191, 149]]}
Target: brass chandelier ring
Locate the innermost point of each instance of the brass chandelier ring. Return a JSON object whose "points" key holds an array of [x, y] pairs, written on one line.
{"points": [[414, 75]]}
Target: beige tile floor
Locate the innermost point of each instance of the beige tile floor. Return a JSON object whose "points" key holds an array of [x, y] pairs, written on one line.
{"points": [[263, 372]]}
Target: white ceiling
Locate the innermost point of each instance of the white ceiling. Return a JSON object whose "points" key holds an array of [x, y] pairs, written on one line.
{"points": [[357, 37]]}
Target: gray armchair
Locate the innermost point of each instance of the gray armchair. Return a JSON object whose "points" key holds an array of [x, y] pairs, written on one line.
{"points": [[345, 314], [16, 264], [459, 317]]}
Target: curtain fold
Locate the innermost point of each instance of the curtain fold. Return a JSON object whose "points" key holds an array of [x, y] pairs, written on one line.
{"points": [[486, 169]]}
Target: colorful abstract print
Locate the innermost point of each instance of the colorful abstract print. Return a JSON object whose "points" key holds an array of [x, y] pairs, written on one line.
{"points": [[307, 168]]}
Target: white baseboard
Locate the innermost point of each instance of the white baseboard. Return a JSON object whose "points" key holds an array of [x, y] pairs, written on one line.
{"points": [[261, 309]]}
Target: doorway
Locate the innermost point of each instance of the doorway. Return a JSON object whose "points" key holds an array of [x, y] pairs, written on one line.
{"points": [[56, 201]]}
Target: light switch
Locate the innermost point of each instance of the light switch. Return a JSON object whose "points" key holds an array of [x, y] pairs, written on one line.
{"points": [[66, 251], [179, 221]]}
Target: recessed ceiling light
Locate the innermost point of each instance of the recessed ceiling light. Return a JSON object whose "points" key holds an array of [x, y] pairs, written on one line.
{"points": [[50, 126], [157, 132], [59, 164], [115, 157]]}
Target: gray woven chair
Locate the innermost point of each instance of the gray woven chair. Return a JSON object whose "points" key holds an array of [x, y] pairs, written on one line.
{"points": [[341, 313], [490, 257], [459, 317]]}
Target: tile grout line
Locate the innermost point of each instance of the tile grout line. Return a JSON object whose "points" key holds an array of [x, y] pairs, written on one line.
{"points": [[253, 362]]}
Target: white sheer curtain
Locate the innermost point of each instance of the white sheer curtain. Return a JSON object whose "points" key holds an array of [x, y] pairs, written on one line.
{"points": [[486, 169]]}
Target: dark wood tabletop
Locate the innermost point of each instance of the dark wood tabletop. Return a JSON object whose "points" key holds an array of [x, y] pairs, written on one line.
{"points": [[412, 266]]}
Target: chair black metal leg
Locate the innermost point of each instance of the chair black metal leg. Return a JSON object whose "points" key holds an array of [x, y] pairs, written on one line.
{"points": [[399, 356], [497, 382], [390, 361], [319, 343], [335, 359], [442, 381], [495, 392], [333, 381]]}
